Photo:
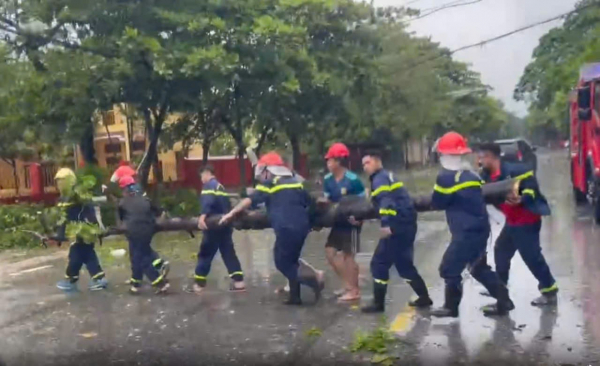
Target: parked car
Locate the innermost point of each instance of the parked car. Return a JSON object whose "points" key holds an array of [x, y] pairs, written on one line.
{"points": [[518, 150]]}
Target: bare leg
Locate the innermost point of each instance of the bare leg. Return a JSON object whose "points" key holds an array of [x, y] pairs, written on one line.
{"points": [[351, 272], [336, 260]]}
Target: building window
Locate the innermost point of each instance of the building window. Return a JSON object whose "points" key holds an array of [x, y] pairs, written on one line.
{"points": [[108, 118], [114, 148], [48, 173], [139, 145], [27, 177]]}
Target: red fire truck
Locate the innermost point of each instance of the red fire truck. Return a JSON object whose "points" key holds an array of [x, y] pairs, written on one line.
{"points": [[584, 144]]}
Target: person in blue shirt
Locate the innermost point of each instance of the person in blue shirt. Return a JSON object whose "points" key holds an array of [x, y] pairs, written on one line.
{"points": [[344, 238], [215, 201], [80, 252], [288, 205], [458, 192], [398, 231]]}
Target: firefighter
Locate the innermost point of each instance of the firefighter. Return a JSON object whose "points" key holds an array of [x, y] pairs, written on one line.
{"points": [[122, 172], [523, 222], [344, 238], [458, 192], [398, 231], [80, 252], [288, 206], [215, 201], [138, 214]]}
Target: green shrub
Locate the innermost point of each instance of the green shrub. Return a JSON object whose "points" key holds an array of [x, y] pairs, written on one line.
{"points": [[15, 223], [179, 202]]}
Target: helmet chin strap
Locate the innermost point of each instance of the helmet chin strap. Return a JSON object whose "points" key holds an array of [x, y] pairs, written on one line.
{"points": [[455, 162]]}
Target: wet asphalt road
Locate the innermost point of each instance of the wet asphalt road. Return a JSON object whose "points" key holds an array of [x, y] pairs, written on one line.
{"points": [[41, 326]]}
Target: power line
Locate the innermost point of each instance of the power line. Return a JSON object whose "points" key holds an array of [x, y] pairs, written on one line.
{"points": [[508, 34], [433, 10]]}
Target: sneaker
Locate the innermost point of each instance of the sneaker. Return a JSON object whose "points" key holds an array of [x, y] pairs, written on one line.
{"points": [[97, 285], [237, 286], [162, 289], [134, 290], [66, 285]]}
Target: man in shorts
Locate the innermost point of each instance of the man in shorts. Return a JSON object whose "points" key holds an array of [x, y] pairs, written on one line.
{"points": [[344, 238]]}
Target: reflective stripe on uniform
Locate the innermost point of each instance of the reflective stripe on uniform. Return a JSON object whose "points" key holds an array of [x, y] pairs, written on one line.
{"points": [[98, 275], [386, 188], [157, 262], [157, 281], [457, 187], [549, 289], [216, 193], [525, 175], [279, 187], [199, 277], [133, 280], [530, 192], [383, 282], [236, 273], [383, 211], [64, 204]]}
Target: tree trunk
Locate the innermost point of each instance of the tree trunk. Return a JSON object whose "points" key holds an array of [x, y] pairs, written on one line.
{"points": [[295, 142], [151, 156], [241, 162], [86, 144], [205, 150]]}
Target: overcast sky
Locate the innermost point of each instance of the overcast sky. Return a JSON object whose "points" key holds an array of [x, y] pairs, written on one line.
{"points": [[500, 63]]}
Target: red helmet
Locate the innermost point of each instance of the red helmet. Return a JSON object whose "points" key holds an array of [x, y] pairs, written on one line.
{"points": [[271, 159], [337, 150], [126, 181], [453, 143]]}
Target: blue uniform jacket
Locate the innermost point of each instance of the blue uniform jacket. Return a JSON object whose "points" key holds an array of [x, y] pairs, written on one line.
{"points": [[349, 185], [529, 189], [287, 202], [75, 212], [213, 199], [391, 199], [459, 194]]}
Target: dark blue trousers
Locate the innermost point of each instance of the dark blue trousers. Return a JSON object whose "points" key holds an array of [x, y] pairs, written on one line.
{"points": [[287, 250], [142, 258], [80, 254], [468, 251], [397, 250], [222, 241], [526, 240]]}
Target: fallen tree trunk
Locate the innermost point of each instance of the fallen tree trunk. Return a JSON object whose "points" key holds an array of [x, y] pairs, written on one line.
{"points": [[323, 214]]}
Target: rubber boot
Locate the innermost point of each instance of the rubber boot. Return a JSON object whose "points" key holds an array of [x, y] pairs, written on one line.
{"points": [[503, 305], [378, 305], [294, 296], [453, 296], [420, 288], [547, 299]]}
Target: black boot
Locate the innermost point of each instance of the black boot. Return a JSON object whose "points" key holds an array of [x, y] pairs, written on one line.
{"points": [[450, 309], [378, 305], [503, 305], [294, 297], [420, 288], [547, 299]]}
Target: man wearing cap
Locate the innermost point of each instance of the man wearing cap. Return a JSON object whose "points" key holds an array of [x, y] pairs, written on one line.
{"points": [[458, 192], [138, 214], [344, 238], [287, 205], [80, 252]]}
